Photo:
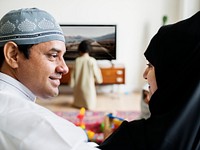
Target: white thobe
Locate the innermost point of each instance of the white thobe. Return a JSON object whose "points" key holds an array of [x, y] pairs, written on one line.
{"points": [[25, 125], [85, 74]]}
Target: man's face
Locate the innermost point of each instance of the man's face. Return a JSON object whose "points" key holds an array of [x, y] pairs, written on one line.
{"points": [[42, 72]]}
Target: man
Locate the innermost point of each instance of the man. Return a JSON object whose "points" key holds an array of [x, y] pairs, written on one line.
{"points": [[32, 46]]}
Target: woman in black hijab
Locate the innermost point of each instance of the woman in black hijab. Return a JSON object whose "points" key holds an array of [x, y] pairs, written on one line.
{"points": [[174, 61]]}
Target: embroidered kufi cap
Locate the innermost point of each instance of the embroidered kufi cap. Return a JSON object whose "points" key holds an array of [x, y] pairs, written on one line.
{"points": [[29, 26]]}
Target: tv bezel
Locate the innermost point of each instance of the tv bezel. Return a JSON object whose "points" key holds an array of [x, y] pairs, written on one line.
{"points": [[87, 31]]}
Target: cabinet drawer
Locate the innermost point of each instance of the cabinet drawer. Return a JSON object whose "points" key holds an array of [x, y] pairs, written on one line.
{"points": [[113, 75], [110, 76]]}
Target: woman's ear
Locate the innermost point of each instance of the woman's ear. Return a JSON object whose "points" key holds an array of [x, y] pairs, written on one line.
{"points": [[11, 53]]}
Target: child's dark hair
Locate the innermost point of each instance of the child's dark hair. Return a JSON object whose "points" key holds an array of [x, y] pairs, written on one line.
{"points": [[25, 49], [85, 46]]}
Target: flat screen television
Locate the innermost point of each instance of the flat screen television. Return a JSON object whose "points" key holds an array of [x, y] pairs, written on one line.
{"points": [[103, 40]]}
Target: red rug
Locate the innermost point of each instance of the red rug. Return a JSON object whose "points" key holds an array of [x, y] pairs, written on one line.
{"points": [[93, 120], [97, 117]]}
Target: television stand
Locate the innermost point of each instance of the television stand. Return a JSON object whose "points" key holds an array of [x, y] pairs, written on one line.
{"points": [[111, 75]]}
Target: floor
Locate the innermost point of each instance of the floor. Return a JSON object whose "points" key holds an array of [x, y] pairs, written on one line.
{"points": [[109, 102]]}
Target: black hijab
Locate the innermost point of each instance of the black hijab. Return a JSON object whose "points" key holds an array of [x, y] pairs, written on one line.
{"points": [[175, 53], [174, 123], [185, 132]]}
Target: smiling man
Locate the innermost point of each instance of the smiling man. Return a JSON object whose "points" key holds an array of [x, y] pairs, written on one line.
{"points": [[32, 46]]}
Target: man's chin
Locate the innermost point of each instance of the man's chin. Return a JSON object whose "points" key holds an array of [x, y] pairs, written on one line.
{"points": [[55, 93], [50, 95]]}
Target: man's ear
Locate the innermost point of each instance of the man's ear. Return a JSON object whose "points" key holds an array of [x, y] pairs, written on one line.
{"points": [[11, 53]]}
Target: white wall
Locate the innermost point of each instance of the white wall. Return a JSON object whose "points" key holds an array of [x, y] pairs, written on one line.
{"points": [[189, 7], [137, 21]]}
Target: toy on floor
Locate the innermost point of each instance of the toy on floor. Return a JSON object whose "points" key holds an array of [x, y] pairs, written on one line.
{"points": [[111, 123], [80, 117], [92, 136], [115, 121]]}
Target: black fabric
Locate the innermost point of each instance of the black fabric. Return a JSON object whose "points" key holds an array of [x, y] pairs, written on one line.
{"points": [[123, 137], [175, 53], [185, 132]]}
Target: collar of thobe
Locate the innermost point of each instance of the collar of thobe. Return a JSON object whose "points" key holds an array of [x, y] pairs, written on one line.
{"points": [[17, 85]]}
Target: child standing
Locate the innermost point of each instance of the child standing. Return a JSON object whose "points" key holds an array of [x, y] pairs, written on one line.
{"points": [[84, 75]]}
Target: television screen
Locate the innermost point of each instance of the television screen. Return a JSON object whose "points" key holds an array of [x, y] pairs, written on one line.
{"points": [[103, 39]]}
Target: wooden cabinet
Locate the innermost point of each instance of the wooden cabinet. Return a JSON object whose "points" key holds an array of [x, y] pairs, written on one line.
{"points": [[112, 75], [66, 78]]}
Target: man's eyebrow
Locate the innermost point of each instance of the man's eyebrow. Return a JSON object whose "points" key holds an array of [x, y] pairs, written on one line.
{"points": [[57, 50]]}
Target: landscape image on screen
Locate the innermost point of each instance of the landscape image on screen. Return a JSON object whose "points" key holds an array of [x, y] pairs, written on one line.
{"points": [[103, 39]]}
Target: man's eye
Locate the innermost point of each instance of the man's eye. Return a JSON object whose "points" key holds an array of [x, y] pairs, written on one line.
{"points": [[54, 55]]}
